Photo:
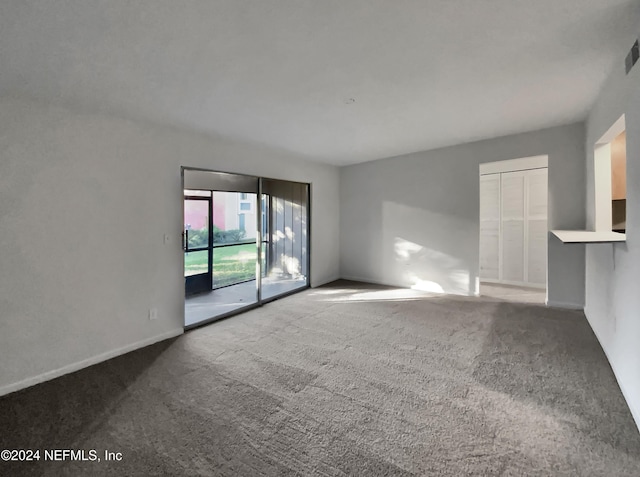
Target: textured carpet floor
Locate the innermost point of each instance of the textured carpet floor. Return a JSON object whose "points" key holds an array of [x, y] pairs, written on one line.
{"points": [[346, 379]]}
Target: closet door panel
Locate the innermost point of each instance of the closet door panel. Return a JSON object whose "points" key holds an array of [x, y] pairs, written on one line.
{"points": [[513, 195], [490, 227], [513, 226], [537, 194], [513, 251]]}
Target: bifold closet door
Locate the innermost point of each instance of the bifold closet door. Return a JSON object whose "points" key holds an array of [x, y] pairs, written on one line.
{"points": [[513, 226], [490, 227], [536, 226]]}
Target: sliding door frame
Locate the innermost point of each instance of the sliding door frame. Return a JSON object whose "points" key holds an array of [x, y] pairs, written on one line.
{"points": [[259, 240]]}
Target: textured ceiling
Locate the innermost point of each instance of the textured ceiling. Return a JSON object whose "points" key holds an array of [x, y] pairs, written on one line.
{"points": [[337, 81]]}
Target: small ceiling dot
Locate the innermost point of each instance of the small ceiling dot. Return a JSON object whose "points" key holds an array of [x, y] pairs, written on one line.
{"points": [[349, 101]]}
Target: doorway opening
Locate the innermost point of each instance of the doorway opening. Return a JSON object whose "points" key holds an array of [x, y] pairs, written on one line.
{"points": [[245, 242], [513, 229]]}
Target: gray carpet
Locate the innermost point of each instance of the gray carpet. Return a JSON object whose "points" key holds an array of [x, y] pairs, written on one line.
{"points": [[346, 379]]}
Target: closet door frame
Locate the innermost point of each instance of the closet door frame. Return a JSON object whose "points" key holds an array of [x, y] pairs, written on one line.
{"points": [[515, 165]]}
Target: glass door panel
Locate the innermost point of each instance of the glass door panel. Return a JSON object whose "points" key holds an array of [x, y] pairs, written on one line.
{"points": [[234, 238], [229, 256], [196, 245], [285, 249]]}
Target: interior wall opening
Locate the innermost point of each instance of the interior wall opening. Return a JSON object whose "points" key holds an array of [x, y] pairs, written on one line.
{"points": [[610, 174]]}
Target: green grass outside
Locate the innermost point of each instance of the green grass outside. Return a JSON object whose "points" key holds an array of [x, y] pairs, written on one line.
{"points": [[230, 264]]}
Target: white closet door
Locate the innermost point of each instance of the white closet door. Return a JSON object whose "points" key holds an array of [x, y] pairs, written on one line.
{"points": [[536, 199], [490, 227], [513, 226]]}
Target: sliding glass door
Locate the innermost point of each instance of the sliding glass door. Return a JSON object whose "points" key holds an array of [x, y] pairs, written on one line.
{"points": [[286, 237], [245, 242]]}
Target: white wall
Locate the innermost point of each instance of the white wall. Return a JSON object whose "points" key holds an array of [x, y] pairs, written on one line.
{"points": [[84, 203], [613, 270], [414, 219]]}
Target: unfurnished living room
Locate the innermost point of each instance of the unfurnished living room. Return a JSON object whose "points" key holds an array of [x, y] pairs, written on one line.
{"points": [[358, 237]]}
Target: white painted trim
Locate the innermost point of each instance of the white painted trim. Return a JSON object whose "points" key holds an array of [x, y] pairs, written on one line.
{"points": [[325, 281], [70, 368], [614, 131], [602, 187], [635, 411], [388, 284], [537, 286], [371, 281], [511, 165], [563, 305], [489, 281]]}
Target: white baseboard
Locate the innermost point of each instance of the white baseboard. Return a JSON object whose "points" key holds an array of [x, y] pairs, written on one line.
{"points": [[635, 411], [373, 281], [492, 281], [566, 306], [403, 285], [70, 368], [367, 280], [325, 281]]}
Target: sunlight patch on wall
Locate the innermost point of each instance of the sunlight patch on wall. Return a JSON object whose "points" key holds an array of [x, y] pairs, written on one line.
{"points": [[405, 249], [425, 285], [422, 268], [426, 249]]}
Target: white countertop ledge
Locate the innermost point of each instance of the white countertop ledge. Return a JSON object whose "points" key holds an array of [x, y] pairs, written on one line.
{"points": [[589, 236]]}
